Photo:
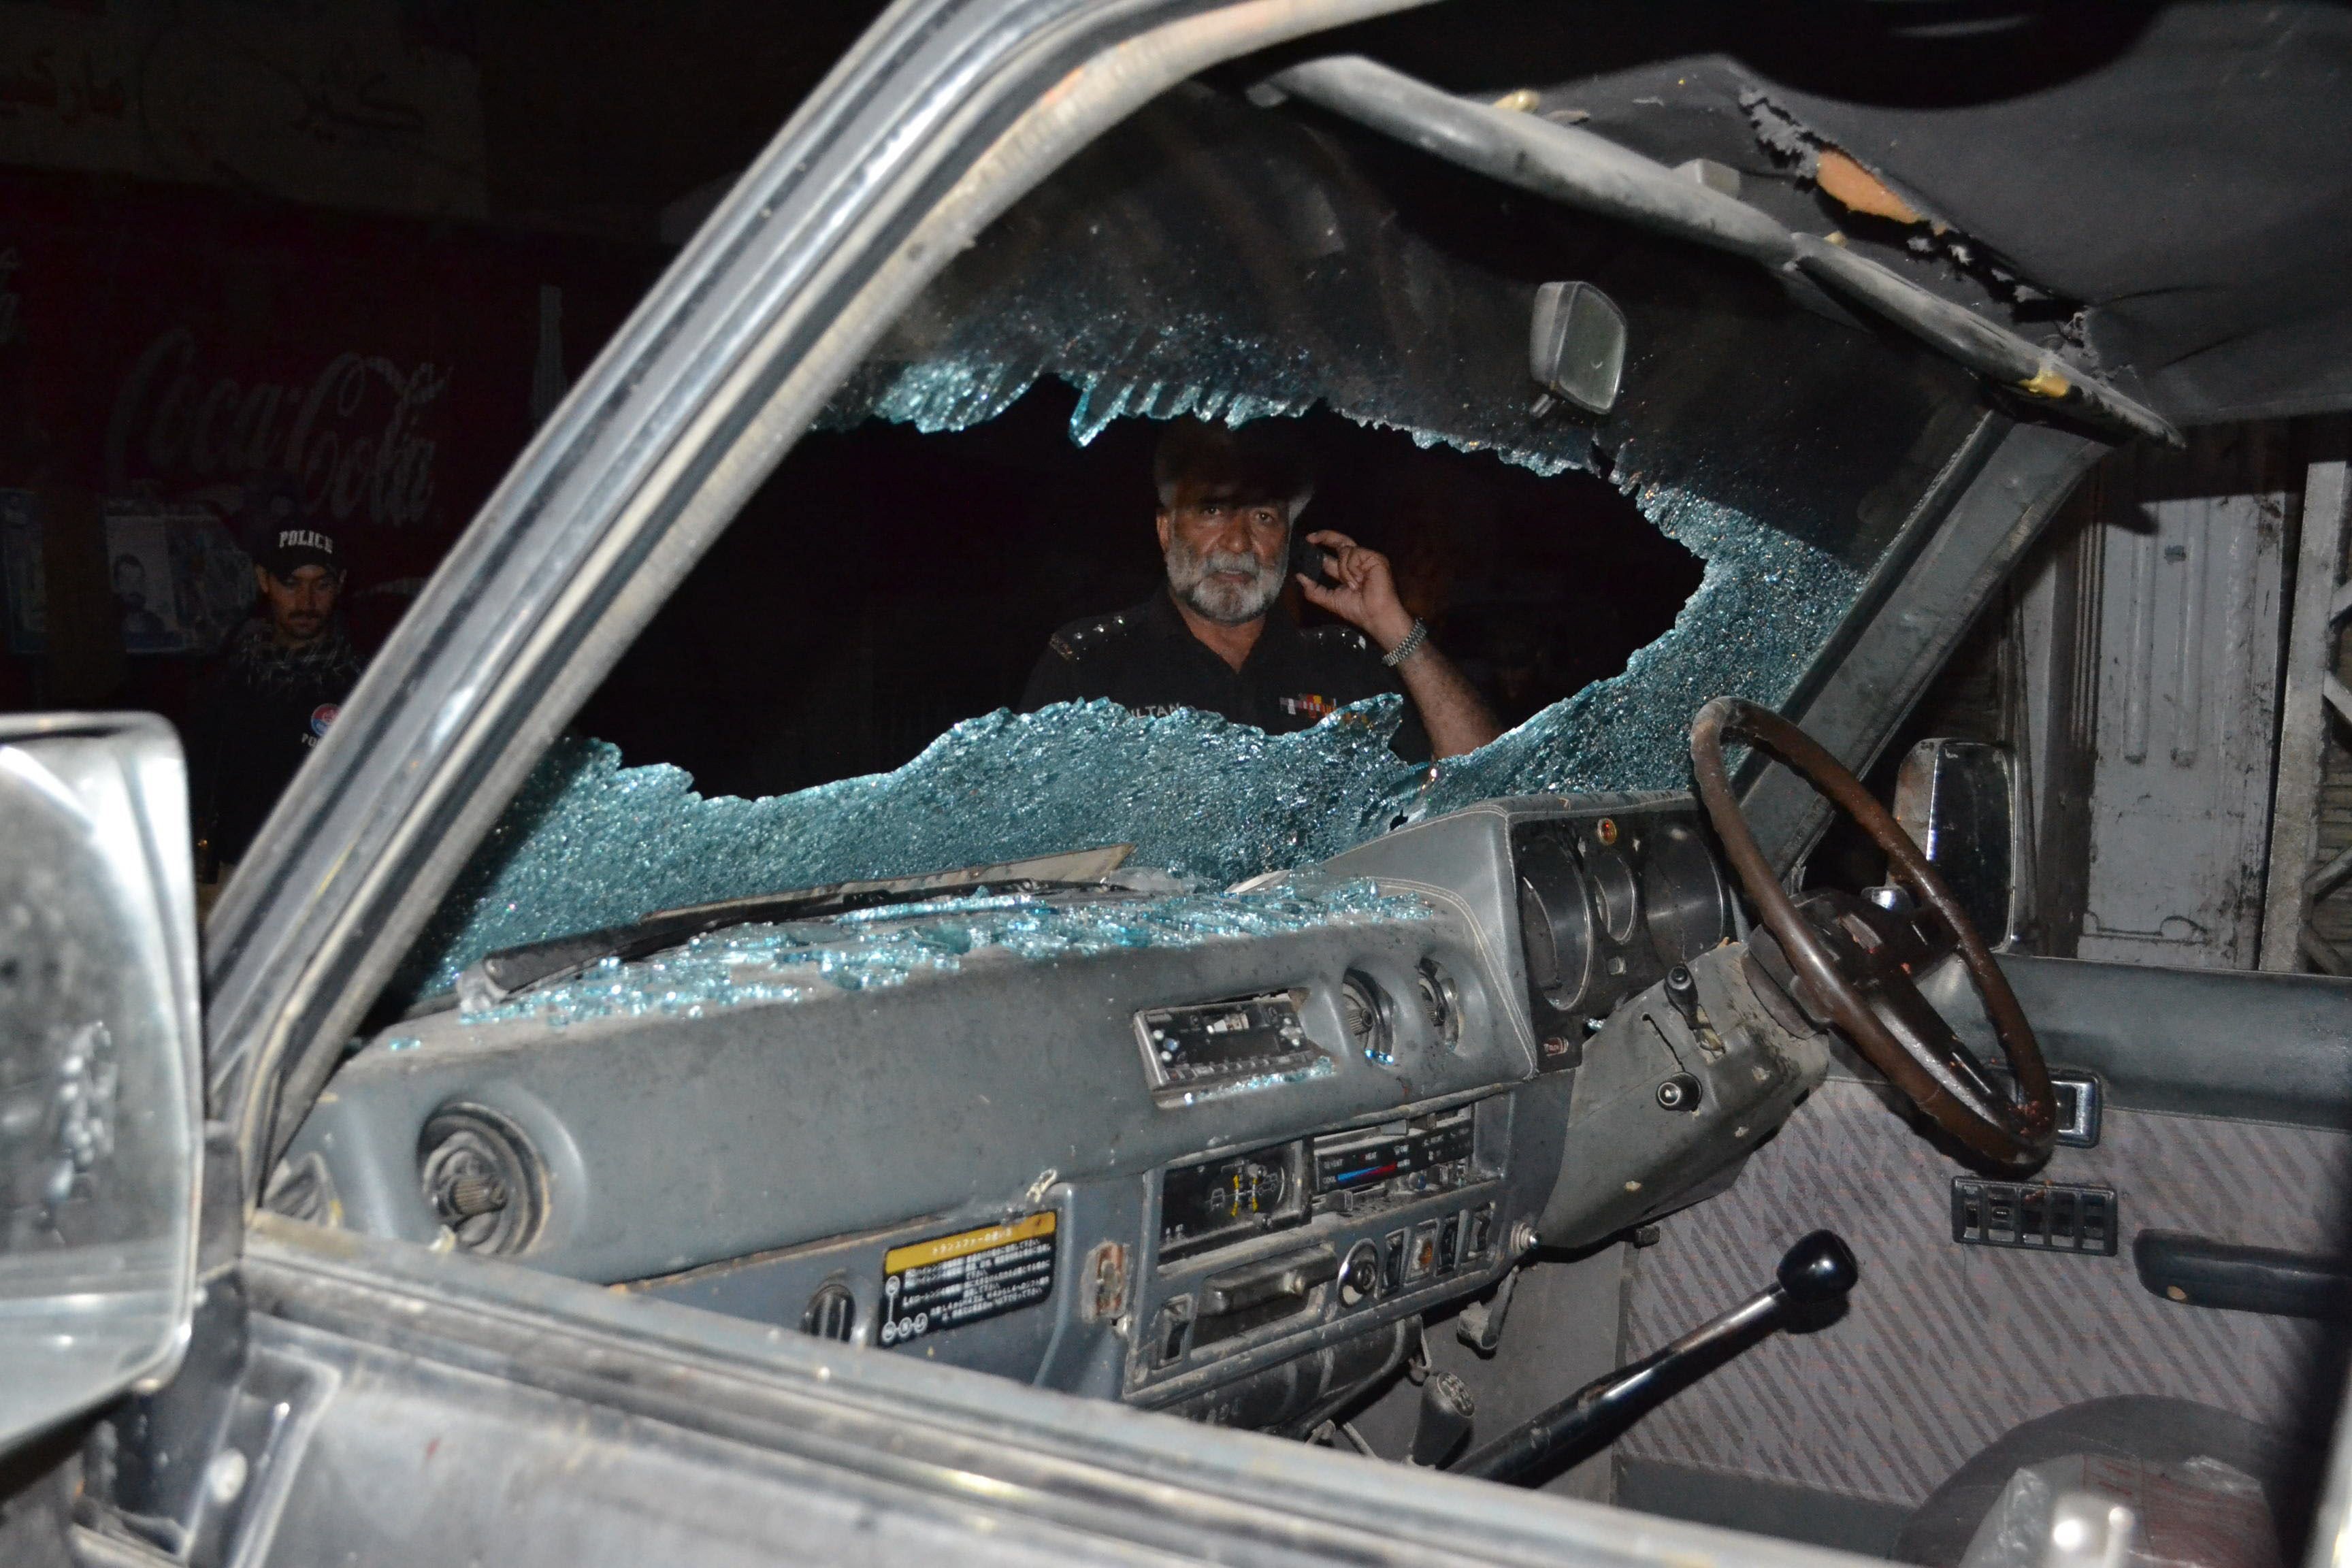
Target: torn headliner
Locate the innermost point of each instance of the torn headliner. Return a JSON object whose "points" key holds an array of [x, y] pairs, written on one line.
{"points": [[2180, 175]]}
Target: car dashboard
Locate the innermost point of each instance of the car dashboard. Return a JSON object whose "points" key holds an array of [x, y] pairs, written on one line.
{"points": [[1219, 1157]]}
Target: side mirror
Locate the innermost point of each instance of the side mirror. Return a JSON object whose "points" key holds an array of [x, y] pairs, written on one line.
{"points": [[1576, 346], [101, 1130], [1958, 800]]}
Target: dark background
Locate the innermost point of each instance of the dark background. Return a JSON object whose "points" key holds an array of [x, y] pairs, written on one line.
{"points": [[886, 583], [405, 185]]}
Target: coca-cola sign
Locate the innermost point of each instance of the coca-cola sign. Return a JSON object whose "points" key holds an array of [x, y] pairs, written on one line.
{"points": [[351, 434], [170, 348]]}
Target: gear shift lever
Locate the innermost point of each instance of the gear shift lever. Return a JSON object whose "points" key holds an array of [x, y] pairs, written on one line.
{"points": [[1818, 1269]]}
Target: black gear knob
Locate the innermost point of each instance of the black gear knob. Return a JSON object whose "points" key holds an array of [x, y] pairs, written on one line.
{"points": [[1820, 1268]]}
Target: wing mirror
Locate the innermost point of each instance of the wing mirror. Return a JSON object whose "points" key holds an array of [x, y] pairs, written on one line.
{"points": [[1958, 800], [102, 1131], [1576, 347]]}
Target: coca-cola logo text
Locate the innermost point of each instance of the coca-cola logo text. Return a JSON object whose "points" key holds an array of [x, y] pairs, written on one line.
{"points": [[348, 436]]}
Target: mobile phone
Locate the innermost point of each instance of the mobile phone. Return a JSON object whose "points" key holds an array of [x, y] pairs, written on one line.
{"points": [[1312, 562]]}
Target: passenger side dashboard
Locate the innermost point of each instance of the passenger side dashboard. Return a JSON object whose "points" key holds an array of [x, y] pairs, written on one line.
{"points": [[1220, 1175]]}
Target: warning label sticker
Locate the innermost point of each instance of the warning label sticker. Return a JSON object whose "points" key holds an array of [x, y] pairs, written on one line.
{"points": [[951, 1281]]}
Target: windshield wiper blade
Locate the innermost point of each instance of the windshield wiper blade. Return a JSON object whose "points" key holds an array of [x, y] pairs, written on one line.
{"points": [[499, 977]]}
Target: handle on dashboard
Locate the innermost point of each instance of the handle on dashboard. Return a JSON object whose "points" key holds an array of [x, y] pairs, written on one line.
{"points": [[1288, 1277], [1819, 1269]]}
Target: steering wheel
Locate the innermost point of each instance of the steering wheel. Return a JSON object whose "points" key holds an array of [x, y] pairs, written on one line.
{"points": [[1853, 961]]}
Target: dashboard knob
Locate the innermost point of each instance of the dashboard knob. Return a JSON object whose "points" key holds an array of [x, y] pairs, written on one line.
{"points": [[1361, 1275], [1680, 1092], [468, 1195]]}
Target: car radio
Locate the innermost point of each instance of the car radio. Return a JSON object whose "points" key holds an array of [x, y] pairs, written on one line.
{"points": [[1190, 1049]]}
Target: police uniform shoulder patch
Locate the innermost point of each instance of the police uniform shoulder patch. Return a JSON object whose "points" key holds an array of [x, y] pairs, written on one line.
{"points": [[1075, 641]]}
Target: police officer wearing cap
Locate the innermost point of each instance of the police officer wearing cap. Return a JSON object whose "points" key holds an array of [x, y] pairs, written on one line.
{"points": [[1211, 640], [273, 696]]}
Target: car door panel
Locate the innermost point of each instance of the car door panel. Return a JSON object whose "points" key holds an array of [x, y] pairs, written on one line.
{"points": [[1947, 1346]]}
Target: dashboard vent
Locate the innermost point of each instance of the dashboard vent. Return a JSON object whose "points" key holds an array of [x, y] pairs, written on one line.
{"points": [[832, 1313]]}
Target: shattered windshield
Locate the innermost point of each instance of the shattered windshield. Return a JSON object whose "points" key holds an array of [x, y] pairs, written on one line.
{"points": [[1215, 260]]}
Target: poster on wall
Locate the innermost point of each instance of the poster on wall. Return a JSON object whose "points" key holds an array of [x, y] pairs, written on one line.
{"points": [[139, 570], [213, 576], [180, 582]]}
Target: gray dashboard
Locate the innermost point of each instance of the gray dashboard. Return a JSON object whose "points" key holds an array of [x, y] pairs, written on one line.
{"points": [[1220, 1161]]}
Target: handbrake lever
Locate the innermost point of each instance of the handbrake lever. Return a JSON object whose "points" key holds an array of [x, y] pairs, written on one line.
{"points": [[1819, 1269]]}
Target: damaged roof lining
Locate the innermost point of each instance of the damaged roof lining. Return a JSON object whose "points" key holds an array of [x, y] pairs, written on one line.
{"points": [[2161, 192], [1580, 169]]}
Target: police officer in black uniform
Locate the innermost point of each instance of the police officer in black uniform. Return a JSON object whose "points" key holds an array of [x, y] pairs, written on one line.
{"points": [[273, 696], [1212, 638]]}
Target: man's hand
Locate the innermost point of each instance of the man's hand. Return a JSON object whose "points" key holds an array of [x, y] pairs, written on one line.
{"points": [[1365, 595]]}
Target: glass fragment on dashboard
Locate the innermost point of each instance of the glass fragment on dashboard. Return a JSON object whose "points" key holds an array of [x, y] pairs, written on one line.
{"points": [[804, 960]]}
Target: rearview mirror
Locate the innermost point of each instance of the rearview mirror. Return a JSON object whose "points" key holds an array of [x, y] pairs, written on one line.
{"points": [[100, 1118], [1956, 799], [1576, 346]]}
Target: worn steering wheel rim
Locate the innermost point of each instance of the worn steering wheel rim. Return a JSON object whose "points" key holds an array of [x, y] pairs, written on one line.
{"points": [[2016, 1135]]}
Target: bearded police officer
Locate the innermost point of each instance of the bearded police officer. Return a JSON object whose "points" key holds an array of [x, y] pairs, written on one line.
{"points": [[272, 696], [1213, 638]]}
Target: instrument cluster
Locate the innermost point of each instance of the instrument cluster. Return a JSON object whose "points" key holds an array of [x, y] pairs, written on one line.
{"points": [[1607, 905]]}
